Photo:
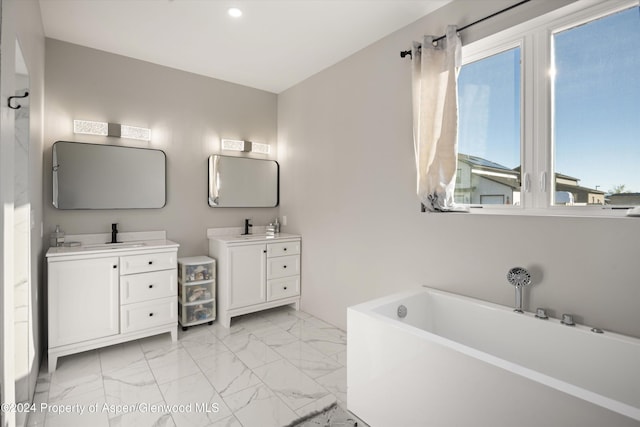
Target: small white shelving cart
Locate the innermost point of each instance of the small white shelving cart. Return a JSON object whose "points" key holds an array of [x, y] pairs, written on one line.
{"points": [[196, 291]]}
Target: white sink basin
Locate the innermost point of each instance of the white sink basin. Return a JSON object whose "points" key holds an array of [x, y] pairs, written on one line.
{"points": [[123, 245]]}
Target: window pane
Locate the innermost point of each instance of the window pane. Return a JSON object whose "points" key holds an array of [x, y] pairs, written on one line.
{"points": [[489, 130], [597, 111]]}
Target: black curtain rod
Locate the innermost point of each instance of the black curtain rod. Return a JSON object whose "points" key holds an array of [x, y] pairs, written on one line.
{"points": [[404, 53]]}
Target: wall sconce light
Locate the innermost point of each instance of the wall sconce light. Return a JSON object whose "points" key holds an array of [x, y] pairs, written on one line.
{"points": [[111, 129], [236, 145], [260, 148], [133, 132], [245, 146]]}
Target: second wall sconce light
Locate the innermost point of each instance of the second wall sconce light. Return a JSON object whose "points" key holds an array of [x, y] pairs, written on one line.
{"points": [[245, 146]]}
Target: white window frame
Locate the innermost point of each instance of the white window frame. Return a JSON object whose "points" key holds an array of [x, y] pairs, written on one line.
{"points": [[534, 38]]}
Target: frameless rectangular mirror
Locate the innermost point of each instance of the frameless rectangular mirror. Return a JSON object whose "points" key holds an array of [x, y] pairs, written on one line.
{"points": [[96, 176], [241, 182]]}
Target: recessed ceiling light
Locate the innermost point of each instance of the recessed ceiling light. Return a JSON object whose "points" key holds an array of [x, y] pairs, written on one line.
{"points": [[234, 12]]}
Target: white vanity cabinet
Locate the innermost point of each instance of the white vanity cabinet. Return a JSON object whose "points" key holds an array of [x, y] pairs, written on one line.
{"points": [[100, 297], [246, 270], [83, 300], [256, 273]]}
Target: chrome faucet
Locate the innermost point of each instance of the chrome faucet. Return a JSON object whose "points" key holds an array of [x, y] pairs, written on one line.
{"points": [[519, 277]]}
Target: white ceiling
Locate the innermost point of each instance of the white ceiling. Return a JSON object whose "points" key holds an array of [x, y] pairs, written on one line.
{"points": [[272, 46]]}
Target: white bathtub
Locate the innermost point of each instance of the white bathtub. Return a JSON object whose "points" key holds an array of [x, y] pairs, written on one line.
{"points": [[458, 361]]}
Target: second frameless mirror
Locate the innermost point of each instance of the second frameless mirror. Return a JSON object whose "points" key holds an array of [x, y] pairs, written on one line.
{"points": [[240, 182]]}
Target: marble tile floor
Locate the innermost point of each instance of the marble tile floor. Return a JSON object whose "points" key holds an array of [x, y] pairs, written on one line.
{"points": [[268, 369]]}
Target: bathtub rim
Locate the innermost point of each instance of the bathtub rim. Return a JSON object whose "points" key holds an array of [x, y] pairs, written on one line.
{"points": [[369, 308]]}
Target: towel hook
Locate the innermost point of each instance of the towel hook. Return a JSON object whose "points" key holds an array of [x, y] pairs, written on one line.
{"points": [[17, 96]]}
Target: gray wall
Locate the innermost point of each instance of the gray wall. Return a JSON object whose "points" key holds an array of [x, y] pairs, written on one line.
{"points": [[348, 184], [187, 114]]}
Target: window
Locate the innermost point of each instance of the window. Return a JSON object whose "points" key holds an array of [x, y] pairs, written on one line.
{"points": [[596, 96], [559, 93], [489, 129]]}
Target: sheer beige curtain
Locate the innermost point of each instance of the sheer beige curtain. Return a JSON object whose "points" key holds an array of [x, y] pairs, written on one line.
{"points": [[435, 120]]}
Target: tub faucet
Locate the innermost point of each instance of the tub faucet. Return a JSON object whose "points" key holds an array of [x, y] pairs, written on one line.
{"points": [[519, 277], [541, 313], [567, 319]]}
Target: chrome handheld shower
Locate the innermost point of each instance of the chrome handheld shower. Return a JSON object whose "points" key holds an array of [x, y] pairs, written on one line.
{"points": [[519, 277]]}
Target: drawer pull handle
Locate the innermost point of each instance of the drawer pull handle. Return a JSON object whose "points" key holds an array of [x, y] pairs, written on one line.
{"points": [[115, 266], [285, 288], [150, 262], [284, 266], [284, 249], [150, 314], [150, 286]]}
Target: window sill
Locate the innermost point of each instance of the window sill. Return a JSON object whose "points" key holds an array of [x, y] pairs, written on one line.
{"points": [[560, 211]]}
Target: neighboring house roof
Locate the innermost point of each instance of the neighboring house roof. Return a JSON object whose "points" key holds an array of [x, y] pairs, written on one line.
{"points": [[623, 198], [488, 165], [484, 163], [478, 163], [513, 183], [572, 188], [563, 176], [624, 195]]}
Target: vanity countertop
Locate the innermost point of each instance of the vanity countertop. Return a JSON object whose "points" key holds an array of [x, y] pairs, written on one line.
{"points": [[86, 244], [239, 238], [112, 248]]}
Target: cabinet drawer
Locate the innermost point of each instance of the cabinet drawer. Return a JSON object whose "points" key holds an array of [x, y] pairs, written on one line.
{"points": [[147, 286], [281, 249], [202, 291], [196, 269], [149, 262], [283, 288], [283, 266], [196, 313], [143, 315]]}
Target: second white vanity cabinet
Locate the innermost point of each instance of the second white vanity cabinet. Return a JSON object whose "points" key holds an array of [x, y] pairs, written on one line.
{"points": [[256, 273], [104, 295], [246, 274]]}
